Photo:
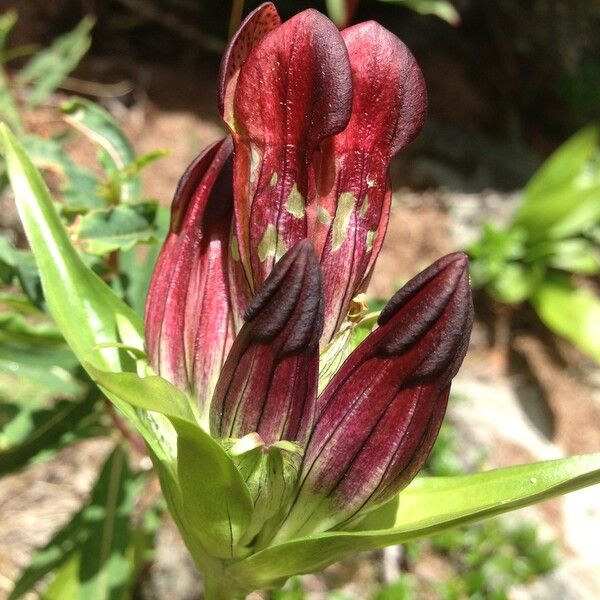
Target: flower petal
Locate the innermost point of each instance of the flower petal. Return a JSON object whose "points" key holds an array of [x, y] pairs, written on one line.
{"points": [[255, 26], [293, 91], [379, 417], [188, 319], [388, 110], [269, 381]]}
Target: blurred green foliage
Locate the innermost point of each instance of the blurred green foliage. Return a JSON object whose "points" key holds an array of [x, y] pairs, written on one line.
{"points": [[549, 254], [46, 400]]}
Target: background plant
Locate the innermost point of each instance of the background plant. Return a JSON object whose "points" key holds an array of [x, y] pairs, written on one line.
{"points": [[108, 187], [47, 401], [549, 254]]}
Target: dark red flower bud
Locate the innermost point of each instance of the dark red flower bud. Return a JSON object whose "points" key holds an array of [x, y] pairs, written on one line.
{"points": [[379, 416], [269, 381]]}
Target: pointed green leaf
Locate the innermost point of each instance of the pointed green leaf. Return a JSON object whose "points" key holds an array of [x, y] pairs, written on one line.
{"points": [[85, 309], [105, 567], [216, 501], [148, 393], [48, 68], [99, 126], [561, 199], [425, 507], [82, 304]]}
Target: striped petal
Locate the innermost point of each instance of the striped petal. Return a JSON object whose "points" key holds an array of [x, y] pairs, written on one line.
{"points": [[388, 110], [269, 382], [293, 91], [379, 416], [188, 320]]}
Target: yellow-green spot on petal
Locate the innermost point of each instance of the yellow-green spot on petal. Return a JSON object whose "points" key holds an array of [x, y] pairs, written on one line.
{"points": [[364, 206], [254, 163], [273, 181], [271, 245], [323, 216], [295, 203], [346, 204], [371, 237], [235, 249]]}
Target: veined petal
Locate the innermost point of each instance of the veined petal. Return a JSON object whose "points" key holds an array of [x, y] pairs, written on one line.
{"points": [[379, 416], [254, 27], [388, 110], [293, 91], [188, 320], [268, 384]]}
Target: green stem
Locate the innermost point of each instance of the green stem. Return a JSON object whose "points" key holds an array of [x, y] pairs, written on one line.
{"points": [[219, 588]]}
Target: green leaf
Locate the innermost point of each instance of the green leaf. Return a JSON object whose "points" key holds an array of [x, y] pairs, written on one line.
{"points": [[8, 107], [105, 567], [36, 365], [83, 306], [148, 393], [80, 185], [49, 67], [119, 227], [563, 197], [571, 312], [512, 284], [439, 8], [91, 552], [7, 22], [427, 506], [137, 265], [95, 123], [34, 434], [575, 256], [20, 265], [216, 502], [65, 583]]}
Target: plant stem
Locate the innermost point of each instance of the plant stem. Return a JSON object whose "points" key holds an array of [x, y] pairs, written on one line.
{"points": [[219, 588]]}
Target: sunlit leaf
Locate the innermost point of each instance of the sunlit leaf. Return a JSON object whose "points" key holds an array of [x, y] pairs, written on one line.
{"points": [[120, 227], [428, 505], [562, 198], [570, 311], [85, 309], [215, 498], [96, 124], [48, 68]]}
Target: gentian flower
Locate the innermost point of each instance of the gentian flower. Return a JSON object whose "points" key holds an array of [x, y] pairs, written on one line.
{"points": [[274, 231], [282, 444]]}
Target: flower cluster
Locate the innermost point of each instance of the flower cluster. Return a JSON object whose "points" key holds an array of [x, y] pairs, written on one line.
{"points": [[274, 231]]}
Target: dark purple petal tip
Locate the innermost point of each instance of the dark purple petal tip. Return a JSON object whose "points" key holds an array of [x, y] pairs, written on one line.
{"points": [[291, 296]]}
